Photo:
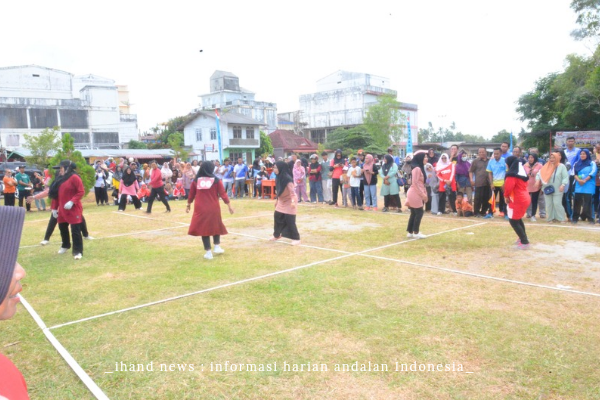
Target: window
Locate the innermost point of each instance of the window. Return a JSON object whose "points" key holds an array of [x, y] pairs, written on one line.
{"points": [[198, 135], [12, 140], [318, 135], [234, 157], [237, 132], [249, 132], [213, 133]]}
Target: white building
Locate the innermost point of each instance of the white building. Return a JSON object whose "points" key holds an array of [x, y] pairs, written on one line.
{"points": [[226, 94], [33, 98], [240, 135], [342, 100]]}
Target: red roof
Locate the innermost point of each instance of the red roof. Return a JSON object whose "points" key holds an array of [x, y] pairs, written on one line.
{"points": [[289, 141]]}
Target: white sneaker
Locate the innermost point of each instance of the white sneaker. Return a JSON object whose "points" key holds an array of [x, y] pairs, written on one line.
{"points": [[44, 242], [88, 238], [208, 255], [439, 213], [218, 249], [419, 236], [455, 214], [409, 235], [77, 256], [533, 219], [62, 250]]}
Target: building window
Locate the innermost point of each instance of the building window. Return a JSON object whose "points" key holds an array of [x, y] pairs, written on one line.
{"points": [[237, 132], [213, 133], [234, 157], [198, 135], [317, 135], [12, 140], [249, 133]]}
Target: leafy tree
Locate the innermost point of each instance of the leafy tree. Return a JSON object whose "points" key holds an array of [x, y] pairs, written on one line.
{"points": [[135, 144], [588, 18], [67, 152], [176, 143], [266, 147], [41, 146], [384, 121], [503, 136], [350, 139]]}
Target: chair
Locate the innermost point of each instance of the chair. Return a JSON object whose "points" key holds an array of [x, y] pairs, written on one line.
{"points": [[270, 183]]}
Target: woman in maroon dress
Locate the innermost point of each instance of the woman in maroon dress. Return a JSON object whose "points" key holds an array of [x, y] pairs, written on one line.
{"points": [[206, 221]]}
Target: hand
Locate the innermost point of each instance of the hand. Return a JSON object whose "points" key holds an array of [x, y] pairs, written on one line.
{"points": [[561, 188], [230, 208], [187, 208], [68, 205], [55, 213], [29, 199], [507, 200], [472, 182]]}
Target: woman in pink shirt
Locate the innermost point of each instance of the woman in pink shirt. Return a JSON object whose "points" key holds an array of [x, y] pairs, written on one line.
{"points": [[285, 206], [300, 181], [532, 167], [416, 197], [129, 186]]}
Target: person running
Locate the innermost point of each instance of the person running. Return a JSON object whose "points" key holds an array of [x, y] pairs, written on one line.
{"points": [[285, 205], [517, 199], [66, 193], [206, 221], [128, 186], [12, 383], [157, 188], [416, 197]]}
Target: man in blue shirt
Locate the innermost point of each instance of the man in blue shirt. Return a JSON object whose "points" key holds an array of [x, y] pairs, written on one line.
{"points": [[572, 154], [504, 147], [239, 171], [497, 171]]}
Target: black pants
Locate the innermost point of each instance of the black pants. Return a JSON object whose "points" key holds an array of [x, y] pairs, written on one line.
{"points": [[160, 192], [75, 233], [452, 200], [519, 228], [442, 202], [392, 200], [9, 199], [482, 200], [100, 193], [535, 196], [206, 241], [335, 184], [52, 225], [582, 207], [499, 191], [285, 225], [414, 221], [362, 191], [23, 194], [123, 202], [428, 204]]}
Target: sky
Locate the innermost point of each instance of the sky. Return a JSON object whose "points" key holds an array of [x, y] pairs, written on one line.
{"points": [[462, 61]]}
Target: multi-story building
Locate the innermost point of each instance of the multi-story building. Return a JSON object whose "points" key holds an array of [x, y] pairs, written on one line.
{"points": [[227, 95], [342, 100], [33, 98]]}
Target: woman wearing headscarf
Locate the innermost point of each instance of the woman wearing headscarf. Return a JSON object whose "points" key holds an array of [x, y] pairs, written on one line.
{"points": [[285, 205], [12, 383], [66, 192], [463, 181], [416, 197], [38, 187], [532, 167], [337, 167], [390, 189], [157, 186], [188, 178], [255, 171], [553, 178], [206, 220], [299, 173], [128, 186], [585, 186], [406, 172], [369, 172], [446, 174], [517, 199]]}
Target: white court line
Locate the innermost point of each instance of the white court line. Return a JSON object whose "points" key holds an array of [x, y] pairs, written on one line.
{"points": [[455, 271], [177, 222], [83, 376]]}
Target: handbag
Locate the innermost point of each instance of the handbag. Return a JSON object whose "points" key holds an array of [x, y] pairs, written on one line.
{"points": [[548, 190], [400, 179]]}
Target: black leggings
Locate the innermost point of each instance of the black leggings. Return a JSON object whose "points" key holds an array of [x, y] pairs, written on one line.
{"points": [[519, 228], [414, 222], [101, 196], [535, 196], [63, 227], [52, 225], [285, 225], [335, 184], [160, 192], [123, 202], [206, 241]]}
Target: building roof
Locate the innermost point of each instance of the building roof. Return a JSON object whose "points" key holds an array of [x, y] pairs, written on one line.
{"points": [[289, 141], [227, 117], [36, 66], [220, 74]]}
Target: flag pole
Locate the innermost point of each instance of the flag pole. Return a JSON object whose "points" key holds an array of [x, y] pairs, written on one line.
{"points": [[219, 136]]}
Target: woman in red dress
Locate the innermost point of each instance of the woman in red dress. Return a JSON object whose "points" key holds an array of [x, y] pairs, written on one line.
{"points": [[517, 199], [206, 220]]}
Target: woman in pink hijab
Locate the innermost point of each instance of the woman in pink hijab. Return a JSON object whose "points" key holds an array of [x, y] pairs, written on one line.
{"points": [[300, 181]]}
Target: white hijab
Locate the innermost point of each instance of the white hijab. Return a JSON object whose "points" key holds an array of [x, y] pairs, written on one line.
{"points": [[441, 164]]}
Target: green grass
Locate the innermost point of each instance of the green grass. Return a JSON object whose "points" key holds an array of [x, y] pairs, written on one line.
{"points": [[519, 341]]}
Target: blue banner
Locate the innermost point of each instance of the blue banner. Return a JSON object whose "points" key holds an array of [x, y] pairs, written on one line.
{"points": [[219, 137], [409, 147]]}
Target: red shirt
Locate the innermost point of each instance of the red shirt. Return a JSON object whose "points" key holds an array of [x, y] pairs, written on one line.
{"points": [[12, 383], [156, 179], [70, 190]]}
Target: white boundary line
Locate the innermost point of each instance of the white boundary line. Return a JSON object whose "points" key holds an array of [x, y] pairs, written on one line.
{"points": [[85, 378]]}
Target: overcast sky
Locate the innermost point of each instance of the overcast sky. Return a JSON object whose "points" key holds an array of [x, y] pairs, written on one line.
{"points": [[469, 60]]}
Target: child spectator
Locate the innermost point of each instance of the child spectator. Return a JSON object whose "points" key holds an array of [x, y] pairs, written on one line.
{"points": [[463, 207], [433, 183], [143, 193], [345, 183], [354, 173]]}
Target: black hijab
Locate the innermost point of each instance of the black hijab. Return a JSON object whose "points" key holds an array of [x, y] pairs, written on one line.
{"points": [[128, 177], [69, 167], [389, 163], [535, 159], [417, 162], [207, 170], [515, 169], [338, 160], [284, 176]]}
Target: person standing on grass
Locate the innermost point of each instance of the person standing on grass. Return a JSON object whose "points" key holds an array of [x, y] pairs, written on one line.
{"points": [[554, 174], [480, 181], [497, 171], [463, 181], [285, 205], [370, 171], [326, 178], [299, 173], [38, 187], [354, 173], [571, 154], [24, 185], [596, 198], [416, 197], [532, 167], [206, 219], [10, 188], [585, 185], [157, 188], [315, 180], [100, 185], [128, 186], [12, 383], [389, 188], [432, 183], [337, 169], [517, 199], [239, 172], [445, 171]]}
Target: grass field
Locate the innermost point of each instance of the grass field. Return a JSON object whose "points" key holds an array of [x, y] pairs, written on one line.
{"points": [[357, 293]]}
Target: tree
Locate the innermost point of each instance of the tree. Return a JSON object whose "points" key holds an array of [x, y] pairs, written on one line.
{"points": [[502, 136], [67, 152], [588, 18], [135, 144], [176, 143], [384, 121], [42, 146], [350, 139], [266, 147]]}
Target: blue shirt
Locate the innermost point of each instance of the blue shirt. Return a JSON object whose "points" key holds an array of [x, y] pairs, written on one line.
{"points": [[571, 156], [498, 170], [590, 186], [240, 171]]}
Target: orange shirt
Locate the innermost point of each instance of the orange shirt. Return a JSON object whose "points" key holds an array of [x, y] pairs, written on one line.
{"points": [[10, 184], [465, 206]]}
